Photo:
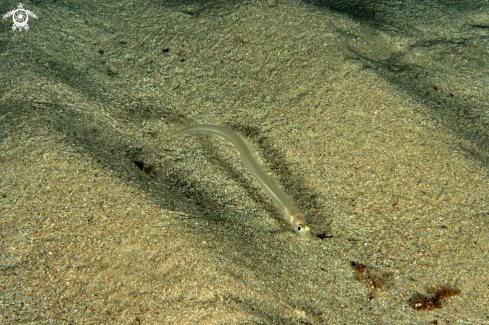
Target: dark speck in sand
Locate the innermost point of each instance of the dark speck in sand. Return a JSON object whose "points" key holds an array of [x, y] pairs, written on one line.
{"points": [[433, 299], [370, 277]]}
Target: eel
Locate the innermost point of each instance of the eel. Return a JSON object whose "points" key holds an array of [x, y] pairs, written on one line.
{"points": [[280, 199]]}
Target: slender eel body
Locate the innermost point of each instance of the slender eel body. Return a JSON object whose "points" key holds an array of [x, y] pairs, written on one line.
{"points": [[269, 185]]}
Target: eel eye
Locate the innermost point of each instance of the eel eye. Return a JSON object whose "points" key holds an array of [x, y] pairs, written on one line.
{"points": [[299, 228]]}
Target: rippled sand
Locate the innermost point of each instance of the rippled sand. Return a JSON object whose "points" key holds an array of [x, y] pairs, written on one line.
{"points": [[372, 116]]}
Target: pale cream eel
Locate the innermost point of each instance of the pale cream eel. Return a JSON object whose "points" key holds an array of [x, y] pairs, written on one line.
{"points": [[269, 185]]}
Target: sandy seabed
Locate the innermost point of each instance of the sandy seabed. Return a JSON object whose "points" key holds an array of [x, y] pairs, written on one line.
{"points": [[373, 117]]}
